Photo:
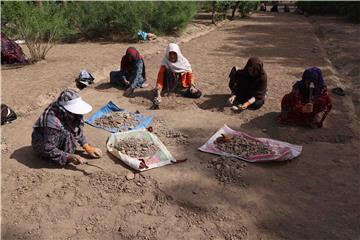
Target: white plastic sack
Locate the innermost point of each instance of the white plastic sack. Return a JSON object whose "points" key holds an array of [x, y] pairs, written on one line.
{"points": [[161, 158], [281, 151]]}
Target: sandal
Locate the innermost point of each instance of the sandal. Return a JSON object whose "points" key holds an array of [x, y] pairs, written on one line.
{"points": [[338, 91]]}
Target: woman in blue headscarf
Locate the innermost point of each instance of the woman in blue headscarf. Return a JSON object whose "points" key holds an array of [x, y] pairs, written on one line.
{"points": [[308, 103]]}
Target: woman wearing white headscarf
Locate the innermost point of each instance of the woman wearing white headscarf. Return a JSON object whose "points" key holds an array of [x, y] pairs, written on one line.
{"points": [[175, 75]]}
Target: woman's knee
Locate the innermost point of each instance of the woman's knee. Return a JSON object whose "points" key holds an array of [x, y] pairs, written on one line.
{"points": [[257, 105]]}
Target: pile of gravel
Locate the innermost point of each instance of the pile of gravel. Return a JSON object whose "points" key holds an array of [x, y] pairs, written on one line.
{"points": [[167, 135], [241, 146], [123, 121], [136, 148], [228, 170]]}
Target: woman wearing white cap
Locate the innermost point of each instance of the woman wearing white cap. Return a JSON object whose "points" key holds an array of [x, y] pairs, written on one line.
{"points": [[175, 75], [59, 127]]}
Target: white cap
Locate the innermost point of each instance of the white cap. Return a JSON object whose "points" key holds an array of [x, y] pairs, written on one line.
{"points": [[77, 106]]}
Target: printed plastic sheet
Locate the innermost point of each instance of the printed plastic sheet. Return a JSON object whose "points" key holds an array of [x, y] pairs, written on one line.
{"points": [[281, 151], [161, 158], [144, 121]]}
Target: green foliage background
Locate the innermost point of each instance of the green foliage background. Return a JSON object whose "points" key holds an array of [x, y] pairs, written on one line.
{"points": [[348, 9], [93, 20]]}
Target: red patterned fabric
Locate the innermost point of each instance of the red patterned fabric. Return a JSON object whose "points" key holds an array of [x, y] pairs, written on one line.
{"points": [[130, 61], [11, 52], [292, 104]]}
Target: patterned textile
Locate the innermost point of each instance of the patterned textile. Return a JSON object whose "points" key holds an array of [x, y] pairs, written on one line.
{"points": [[291, 107], [56, 131], [52, 144], [11, 52]]}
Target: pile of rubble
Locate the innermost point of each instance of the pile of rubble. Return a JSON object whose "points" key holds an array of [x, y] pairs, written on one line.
{"points": [[241, 146], [228, 170], [123, 121], [167, 135], [136, 148]]}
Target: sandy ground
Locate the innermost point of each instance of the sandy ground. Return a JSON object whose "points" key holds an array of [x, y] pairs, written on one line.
{"points": [[339, 40], [315, 196]]}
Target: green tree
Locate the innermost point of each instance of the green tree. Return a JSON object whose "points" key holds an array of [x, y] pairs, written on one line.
{"points": [[40, 27]]}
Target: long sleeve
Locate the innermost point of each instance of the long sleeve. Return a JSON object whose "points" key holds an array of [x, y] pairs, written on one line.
{"points": [[81, 138], [296, 103], [233, 80], [323, 102], [160, 78], [188, 79], [261, 89], [48, 145], [122, 64]]}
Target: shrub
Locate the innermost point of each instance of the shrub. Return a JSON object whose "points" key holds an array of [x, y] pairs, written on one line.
{"points": [[101, 19], [92, 20], [171, 17], [222, 7], [247, 6], [40, 27], [350, 10]]}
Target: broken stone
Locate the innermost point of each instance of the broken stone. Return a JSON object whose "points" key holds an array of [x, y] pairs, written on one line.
{"points": [[241, 146], [136, 147], [122, 121], [130, 176]]}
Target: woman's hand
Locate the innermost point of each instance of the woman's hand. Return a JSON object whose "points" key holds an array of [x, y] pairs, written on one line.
{"points": [[92, 151], [307, 108], [76, 159], [245, 105], [97, 153], [126, 82], [231, 99]]}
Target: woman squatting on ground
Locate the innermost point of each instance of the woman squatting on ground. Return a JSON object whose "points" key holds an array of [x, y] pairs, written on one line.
{"points": [[248, 85], [175, 75], [60, 127]]}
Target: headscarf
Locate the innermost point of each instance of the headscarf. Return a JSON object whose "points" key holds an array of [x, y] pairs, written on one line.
{"points": [[131, 57], [130, 60], [257, 64], [57, 117], [313, 75], [181, 65], [245, 86]]}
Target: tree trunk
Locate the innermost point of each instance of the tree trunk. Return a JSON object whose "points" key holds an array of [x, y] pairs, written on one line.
{"points": [[213, 12], [234, 10], [38, 3], [63, 3]]}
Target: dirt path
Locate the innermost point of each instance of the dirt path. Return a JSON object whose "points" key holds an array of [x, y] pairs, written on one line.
{"points": [[339, 39], [65, 61], [312, 197]]}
